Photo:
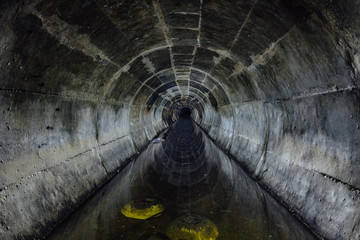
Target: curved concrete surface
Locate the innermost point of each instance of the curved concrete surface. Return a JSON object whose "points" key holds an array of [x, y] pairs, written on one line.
{"points": [[86, 85]]}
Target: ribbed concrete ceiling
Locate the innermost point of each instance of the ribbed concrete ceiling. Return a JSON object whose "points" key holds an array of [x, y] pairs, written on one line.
{"points": [[85, 86]]}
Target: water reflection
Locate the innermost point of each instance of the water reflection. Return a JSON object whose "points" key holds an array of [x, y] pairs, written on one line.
{"points": [[182, 189]]}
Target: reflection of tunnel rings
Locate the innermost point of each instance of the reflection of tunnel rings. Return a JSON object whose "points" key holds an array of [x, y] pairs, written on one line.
{"points": [[183, 134], [184, 145], [184, 154], [194, 173], [205, 171], [199, 184]]}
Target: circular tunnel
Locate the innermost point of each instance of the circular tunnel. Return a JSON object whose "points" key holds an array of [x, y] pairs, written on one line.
{"points": [[85, 86]]}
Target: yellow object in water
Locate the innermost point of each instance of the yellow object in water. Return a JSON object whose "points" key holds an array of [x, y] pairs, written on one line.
{"points": [[192, 227], [142, 209]]}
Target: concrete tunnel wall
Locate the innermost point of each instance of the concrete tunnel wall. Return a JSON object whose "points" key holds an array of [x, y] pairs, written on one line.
{"points": [[85, 86]]}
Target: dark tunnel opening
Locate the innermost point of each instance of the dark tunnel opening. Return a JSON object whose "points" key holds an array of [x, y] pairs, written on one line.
{"points": [[184, 112]]}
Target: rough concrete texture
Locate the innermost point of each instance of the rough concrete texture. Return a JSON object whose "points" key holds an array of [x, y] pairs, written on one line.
{"points": [[85, 85]]}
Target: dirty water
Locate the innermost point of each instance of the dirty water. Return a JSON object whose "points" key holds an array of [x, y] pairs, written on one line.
{"points": [[147, 200]]}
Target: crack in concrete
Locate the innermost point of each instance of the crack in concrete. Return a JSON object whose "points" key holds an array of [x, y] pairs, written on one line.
{"points": [[68, 96], [324, 92], [30, 92], [223, 53], [102, 161], [111, 20], [64, 161], [349, 186], [319, 93], [261, 163], [262, 59], [344, 46], [242, 27], [186, 13], [114, 140], [186, 28]]}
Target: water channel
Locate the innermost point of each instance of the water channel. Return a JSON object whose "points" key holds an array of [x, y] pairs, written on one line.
{"points": [[182, 187]]}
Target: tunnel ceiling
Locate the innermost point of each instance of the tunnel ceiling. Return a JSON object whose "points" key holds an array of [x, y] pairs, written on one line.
{"points": [[155, 52], [160, 54], [86, 85]]}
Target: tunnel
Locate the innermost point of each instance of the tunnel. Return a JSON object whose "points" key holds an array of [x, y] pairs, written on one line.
{"points": [[247, 104]]}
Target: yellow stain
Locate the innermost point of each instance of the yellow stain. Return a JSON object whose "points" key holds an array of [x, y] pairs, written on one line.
{"points": [[130, 211], [203, 230]]}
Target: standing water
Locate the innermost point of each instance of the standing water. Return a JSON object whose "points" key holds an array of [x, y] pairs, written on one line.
{"points": [[182, 188]]}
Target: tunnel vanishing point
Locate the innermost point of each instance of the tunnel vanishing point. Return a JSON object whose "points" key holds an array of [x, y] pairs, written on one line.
{"points": [[85, 86]]}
